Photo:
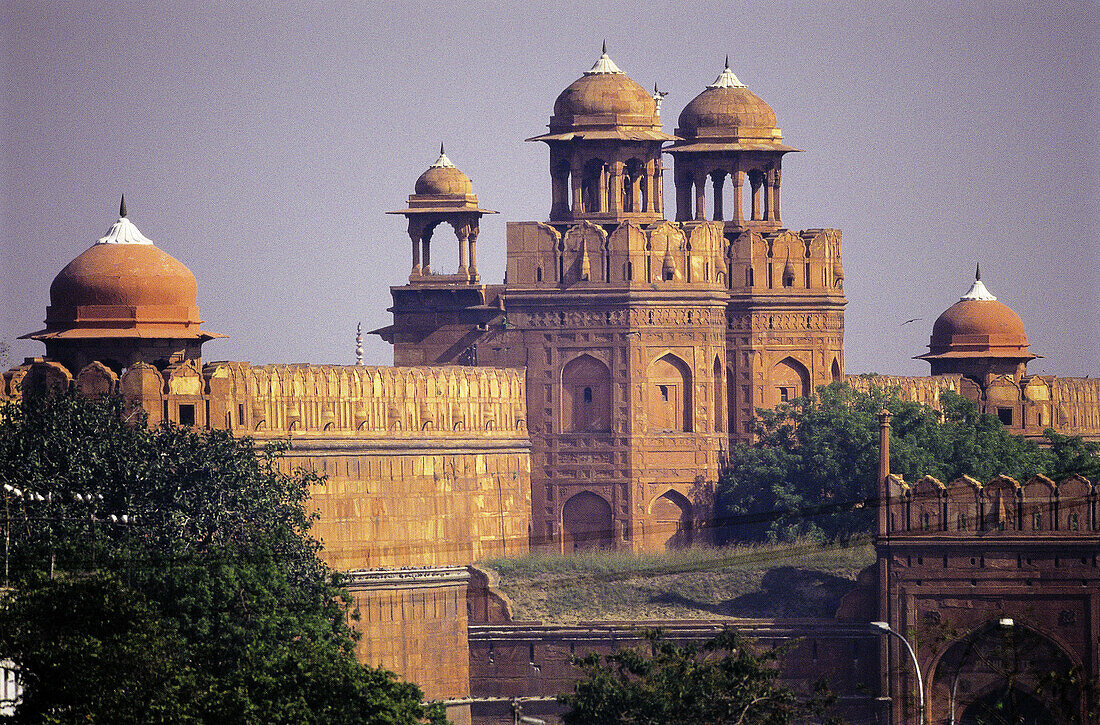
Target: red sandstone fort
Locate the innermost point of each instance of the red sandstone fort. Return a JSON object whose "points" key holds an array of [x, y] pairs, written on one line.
{"points": [[589, 401]]}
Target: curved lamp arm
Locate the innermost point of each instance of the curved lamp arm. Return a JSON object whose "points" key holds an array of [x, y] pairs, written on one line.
{"points": [[885, 627]]}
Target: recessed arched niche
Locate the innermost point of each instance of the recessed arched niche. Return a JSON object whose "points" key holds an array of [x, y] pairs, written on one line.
{"points": [[790, 380], [586, 396], [672, 520], [668, 397]]}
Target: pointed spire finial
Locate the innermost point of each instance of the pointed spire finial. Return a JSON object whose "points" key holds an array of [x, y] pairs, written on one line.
{"points": [[604, 64], [977, 290], [727, 61], [122, 206], [441, 151]]}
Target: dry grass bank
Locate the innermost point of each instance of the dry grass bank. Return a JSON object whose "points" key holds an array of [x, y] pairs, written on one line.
{"points": [[800, 579]]}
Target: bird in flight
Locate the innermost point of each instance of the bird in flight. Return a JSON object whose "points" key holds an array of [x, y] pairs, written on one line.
{"points": [[908, 321]]}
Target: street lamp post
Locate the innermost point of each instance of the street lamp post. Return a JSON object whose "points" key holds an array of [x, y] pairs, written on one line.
{"points": [[884, 627]]}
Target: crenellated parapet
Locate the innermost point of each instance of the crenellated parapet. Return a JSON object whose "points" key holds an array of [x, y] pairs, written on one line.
{"points": [[786, 261], [351, 400], [1002, 506], [1027, 405], [1076, 405], [330, 400], [916, 389], [627, 254]]}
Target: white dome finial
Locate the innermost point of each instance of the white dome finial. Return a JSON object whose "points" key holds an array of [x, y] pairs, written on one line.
{"points": [[977, 290], [442, 162], [604, 65], [123, 231], [726, 79]]}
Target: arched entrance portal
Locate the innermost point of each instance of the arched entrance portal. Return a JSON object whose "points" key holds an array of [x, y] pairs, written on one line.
{"points": [[586, 523], [671, 513], [993, 675]]}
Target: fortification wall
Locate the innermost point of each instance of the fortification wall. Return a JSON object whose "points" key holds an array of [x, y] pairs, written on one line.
{"points": [[1027, 405], [432, 652], [423, 466], [531, 660], [924, 390], [1076, 406]]}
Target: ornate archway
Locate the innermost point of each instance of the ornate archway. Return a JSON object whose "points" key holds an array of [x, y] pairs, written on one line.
{"points": [[996, 673]]}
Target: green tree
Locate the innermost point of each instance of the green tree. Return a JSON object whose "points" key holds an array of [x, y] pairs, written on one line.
{"points": [[723, 681], [812, 469], [210, 605]]}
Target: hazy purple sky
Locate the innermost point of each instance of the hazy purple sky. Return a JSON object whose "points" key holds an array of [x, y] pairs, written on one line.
{"points": [[260, 145]]}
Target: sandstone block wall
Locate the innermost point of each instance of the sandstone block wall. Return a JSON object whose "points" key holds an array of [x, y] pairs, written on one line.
{"points": [[414, 622], [424, 467]]}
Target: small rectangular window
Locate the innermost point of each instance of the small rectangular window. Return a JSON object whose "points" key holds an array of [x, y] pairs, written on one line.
{"points": [[187, 414], [1005, 414]]}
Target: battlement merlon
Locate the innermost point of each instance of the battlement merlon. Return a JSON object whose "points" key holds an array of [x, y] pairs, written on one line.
{"points": [[693, 252], [276, 401]]}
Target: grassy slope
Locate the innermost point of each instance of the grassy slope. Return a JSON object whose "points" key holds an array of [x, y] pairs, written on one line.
{"points": [[803, 579]]}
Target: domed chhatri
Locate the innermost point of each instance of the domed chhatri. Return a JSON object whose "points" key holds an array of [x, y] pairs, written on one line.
{"points": [[978, 335], [123, 288], [443, 194], [727, 133], [605, 144], [728, 109]]}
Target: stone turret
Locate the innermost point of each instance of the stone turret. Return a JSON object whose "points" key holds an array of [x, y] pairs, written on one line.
{"points": [[123, 301]]}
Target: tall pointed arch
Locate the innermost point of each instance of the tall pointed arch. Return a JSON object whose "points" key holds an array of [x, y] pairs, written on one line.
{"points": [[790, 379], [668, 395], [586, 396]]}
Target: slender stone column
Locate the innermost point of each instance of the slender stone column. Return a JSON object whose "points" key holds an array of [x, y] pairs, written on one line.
{"points": [[776, 176], [683, 197], [578, 191], [658, 204], [603, 189], [559, 190], [755, 182], [615, 188], [463, 234], [718, 178], [416, 251], [738, 179], [700, 196], [474, 277], [426, 241]]}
